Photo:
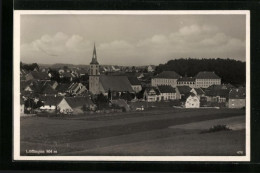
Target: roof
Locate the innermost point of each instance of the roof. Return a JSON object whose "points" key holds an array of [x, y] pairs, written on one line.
{"points": [[184, 89], [134, 81], [78, 101], [62, 87], [237, 93], [199, 91], [51, 100], [153, 88], [47, 89], [39, 75], [217, 92], [186, 79], [168, 75], [207, 75], [67, 74], [116, 83], [119, 102], [166, 89]]}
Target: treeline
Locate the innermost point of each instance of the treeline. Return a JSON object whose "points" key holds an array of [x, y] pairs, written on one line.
{"points": [[230, 71], [29, 67]]}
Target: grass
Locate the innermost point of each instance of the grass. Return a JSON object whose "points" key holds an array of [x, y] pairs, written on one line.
{"points": [[121, 133]]}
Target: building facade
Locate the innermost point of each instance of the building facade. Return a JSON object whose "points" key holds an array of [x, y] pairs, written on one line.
{"points": [[165, 78], [206, 79]]}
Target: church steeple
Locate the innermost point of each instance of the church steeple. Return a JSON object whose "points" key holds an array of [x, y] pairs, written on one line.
{"points": [[94, 56]]}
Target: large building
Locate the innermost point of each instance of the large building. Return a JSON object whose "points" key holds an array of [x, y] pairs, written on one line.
{"points": [[205, 79], [94, 74], [166, 78]]}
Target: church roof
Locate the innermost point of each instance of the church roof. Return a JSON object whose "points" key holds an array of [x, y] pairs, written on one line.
{"points": [[94, 57], [116, 83]]}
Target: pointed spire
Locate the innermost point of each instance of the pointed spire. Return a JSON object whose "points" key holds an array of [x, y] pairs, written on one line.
{"points": [[94, 57]]}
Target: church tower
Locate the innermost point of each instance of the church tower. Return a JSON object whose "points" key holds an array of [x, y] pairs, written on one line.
{"points": [[94, 74]]}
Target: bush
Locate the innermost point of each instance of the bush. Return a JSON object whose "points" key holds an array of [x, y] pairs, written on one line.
{"points": [[216, 128]]}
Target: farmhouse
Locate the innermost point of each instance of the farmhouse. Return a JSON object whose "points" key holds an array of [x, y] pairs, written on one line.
{"points": [[205, 79], [75, 105], [237, 98], [192, 102], [151, 94], [166, 78], [135, 84], [50, 103], [167, 92]]}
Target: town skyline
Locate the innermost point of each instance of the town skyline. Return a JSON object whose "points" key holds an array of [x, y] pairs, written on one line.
{"points": [[130, 40]]}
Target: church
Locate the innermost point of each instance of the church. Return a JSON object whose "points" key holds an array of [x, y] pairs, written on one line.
{"points": [[102, 83]]}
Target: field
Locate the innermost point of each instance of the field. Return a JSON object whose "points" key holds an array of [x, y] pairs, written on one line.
{"points": [[165, 131]]}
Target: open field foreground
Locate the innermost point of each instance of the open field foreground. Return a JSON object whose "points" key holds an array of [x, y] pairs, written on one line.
{"points": [[167, 131]]}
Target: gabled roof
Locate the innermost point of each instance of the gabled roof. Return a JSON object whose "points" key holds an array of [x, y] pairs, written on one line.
{"points": [[217, 92], [51, 100], [166, 89], [207, 75], [116, 83], [237, 93], [184, 89], [168, 75], [148, 89], [78, 101], [47, 89], [39, 75], [199, 91], [63, 87], [186, 79], [134, 81]]}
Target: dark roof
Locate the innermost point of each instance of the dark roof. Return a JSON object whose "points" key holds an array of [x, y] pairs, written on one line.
{"points": [[237, 93], [184, 89], [78, 101], [63, 87], [188, 79], [116, 83], [134, 81], [51, 100], [168, 75], [199, 91], [47, 89], [67, 74], [207, 75], [217, 92], [166, 89], [39, 75]]}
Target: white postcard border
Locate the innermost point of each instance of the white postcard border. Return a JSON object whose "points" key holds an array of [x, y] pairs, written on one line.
{"points": [[16, 87]]}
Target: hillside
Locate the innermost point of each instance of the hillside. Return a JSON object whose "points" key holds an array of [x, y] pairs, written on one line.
{"points": [[231, 71]]}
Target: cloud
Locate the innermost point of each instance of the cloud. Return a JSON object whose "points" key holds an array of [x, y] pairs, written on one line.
{"points": [[201, 41]]}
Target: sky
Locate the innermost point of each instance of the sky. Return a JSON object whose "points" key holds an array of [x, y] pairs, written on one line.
{"points": [[130, 39]]}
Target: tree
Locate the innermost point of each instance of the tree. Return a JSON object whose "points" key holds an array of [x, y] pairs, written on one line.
{"points": [[101, 101]]}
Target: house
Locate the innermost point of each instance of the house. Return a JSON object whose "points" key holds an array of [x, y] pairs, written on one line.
{"points": [[151, 94], [217, 95], [205, 79], [63, 88], [135, 84], [67, 76], [50, 103], [151, 68], [167, 92], [121, 103], [186, 81], [75, 105], [166, 78], [198, 92], [237, 98], [76, 89], [38, 76], [183, 92], [192, 101], [117, 84]]}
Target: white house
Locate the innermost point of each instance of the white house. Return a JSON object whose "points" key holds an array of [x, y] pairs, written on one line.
{"points": [[166, 78], [192, 102], [167, 92], [152, 94]]}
